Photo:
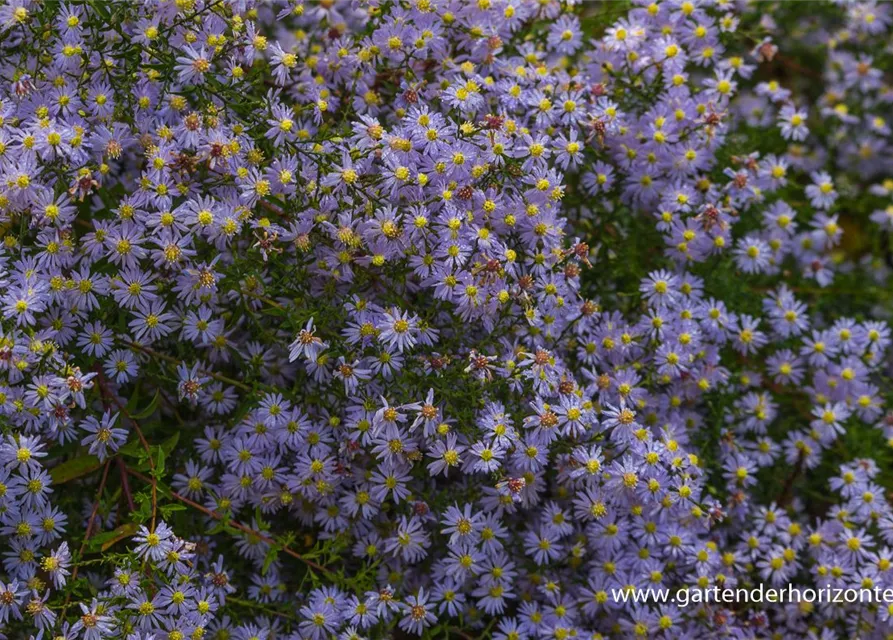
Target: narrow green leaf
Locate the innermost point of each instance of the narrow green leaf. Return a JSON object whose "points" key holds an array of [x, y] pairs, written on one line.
{"points": [[97, 540], [149, 410], [144, 511], [168, 509], [74, 468], [158, 472], [124, 531], [133, 449], [272, 554], [168, 445], [134, 400]]}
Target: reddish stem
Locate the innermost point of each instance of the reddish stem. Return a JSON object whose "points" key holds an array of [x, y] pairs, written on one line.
{"points": [[89, 531], [108, 395], [235, 525], [125, 485]]}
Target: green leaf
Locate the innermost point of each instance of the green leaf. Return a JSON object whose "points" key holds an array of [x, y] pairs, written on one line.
{"points": [[133, 449], [168, 509], [134, 400], [144, 511], [106, 539], [124, 531], [158, 471], [273, 311], [272, 554], [149, 410], [74, 468], [168, 445], [101, 10]]}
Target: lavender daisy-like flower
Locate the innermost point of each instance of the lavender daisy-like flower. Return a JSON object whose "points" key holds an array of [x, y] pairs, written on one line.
{"points": [[92, 624], [792, 122], [193, 66], [821, 192], [306, 345], [154, 544], [397, 330], [418, 614], [103, 438]]}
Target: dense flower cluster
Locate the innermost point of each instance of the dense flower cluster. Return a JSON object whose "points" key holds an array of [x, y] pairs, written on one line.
{"points": [[359, 319]]}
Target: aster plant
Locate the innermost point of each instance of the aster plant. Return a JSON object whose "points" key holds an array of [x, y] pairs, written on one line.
{"points": [[443, 318]]}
